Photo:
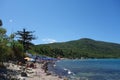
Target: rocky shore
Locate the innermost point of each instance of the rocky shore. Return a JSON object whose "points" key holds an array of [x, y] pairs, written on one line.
{"points": [[18, 72]]}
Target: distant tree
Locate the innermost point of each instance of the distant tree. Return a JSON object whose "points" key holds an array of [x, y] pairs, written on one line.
{"points": [[2, 33], [0, 22], [11, 40], [25, 38], [57, 52], [2, 30]]}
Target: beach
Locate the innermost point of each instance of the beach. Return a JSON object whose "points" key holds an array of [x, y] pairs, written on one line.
{"points": [[32, 73], [101, 69]]}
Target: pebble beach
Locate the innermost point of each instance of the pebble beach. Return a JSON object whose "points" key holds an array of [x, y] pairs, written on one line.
{"points": [[33, 74]]}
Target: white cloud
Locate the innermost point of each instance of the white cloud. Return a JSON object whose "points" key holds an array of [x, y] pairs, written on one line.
{"points": [[48, 40]]}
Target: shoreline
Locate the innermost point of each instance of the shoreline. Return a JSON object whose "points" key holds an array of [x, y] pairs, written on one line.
{"points": [[32, 73]]}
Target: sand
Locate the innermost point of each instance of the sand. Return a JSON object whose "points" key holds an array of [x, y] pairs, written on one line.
{"points": [[36, 74]]}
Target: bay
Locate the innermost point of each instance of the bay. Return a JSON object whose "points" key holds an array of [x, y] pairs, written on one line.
{"points": [[88, 69]]}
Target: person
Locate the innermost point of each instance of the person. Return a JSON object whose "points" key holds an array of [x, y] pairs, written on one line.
{"points": [[27, 65], [45, 67], [32, 65]]}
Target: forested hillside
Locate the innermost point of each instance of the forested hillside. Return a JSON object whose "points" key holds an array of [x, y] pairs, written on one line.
{"points": [[84, 47]]}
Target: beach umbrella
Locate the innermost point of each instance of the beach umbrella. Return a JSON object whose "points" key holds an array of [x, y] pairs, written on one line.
{"points": [[27, 58]]}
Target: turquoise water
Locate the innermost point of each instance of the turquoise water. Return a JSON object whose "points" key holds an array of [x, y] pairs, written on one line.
{"points": [[88, 69]]}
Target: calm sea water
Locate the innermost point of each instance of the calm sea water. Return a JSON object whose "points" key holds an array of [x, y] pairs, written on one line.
{"points": [[88, 69]]}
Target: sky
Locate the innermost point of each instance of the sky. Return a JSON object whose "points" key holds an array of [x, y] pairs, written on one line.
{"points": [[63, 20]]}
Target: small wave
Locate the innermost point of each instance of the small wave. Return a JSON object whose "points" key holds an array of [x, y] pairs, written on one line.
{"points": [[65, 69], [54, 65], [68, 71]]}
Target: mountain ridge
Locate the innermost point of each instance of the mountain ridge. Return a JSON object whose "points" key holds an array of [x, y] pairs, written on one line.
{"points": [[85, 47]]}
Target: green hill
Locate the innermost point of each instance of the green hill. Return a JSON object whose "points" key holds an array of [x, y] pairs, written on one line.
{"points": [[84, 47]]}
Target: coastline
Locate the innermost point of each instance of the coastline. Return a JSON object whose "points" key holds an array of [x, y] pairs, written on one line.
{"points": [[32, 73], [82, 68]]}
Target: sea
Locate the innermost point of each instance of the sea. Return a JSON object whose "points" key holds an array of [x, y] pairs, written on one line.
{"points": [[87, 69]]}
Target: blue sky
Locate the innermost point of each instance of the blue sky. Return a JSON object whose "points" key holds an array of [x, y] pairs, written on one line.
{"points": [[63, 20]]}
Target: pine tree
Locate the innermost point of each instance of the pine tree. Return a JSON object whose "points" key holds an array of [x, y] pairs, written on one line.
{"points": [[25, 38]]}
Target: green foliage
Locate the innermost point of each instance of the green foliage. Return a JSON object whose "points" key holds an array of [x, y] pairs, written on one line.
{"points": [[10, 52], [25, 38], [18, 50], [3, 51], [11, 49], [2, 34], [48, 51], [3, 42], [85, 47], [1, 23]]}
